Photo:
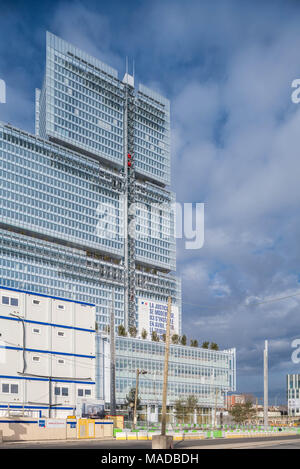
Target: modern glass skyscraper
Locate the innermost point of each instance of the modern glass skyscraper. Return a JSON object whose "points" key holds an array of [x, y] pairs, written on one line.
{"points": [[86, 209], [86, 214]]}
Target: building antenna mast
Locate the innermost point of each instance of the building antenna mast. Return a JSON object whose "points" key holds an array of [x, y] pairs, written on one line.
{"points": [[133, 70]]}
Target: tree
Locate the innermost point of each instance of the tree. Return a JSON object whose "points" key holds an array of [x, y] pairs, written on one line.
{"points": [[183, 340], [214, 346], [191, 404], [133, 331], [164, 336], [194, 343], [180, 410], [154, 336], [144, 334], [175, 339], [130, 399], [242, 412], [205, 344], [185, 408], [107, 329], [122, 331]]}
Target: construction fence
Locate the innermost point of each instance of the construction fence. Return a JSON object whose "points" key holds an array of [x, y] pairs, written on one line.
{"points": [[26, 429]]}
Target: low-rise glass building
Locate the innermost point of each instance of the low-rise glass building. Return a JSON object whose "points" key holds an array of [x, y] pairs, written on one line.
{"points": [[206, 374]]}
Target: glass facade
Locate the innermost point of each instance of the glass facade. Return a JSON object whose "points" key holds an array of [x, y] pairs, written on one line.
{"points": [[82, 105], [155, 236], [293, 394], [32, 264], [52, 191], [152, 135], [192, 371]]}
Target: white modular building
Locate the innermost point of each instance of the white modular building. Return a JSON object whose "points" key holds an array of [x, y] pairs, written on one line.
{"points": [[47, 353]]}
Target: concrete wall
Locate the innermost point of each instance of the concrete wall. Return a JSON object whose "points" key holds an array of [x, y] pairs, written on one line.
{"points": [[30, 430]]}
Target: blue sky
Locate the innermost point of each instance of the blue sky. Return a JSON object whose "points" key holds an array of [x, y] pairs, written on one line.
{"points": [[227, 67]]}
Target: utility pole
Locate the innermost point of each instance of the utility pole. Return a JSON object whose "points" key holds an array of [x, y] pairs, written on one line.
{"points": [[166, 370], [216, 403], [138, 373], [50, 397], [136, 396], [112, 356], [266, 403]]}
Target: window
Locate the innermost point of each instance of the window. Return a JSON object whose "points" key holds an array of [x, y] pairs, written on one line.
{"points": [[5, 387], [6, 300], [80, 392], [36, 302], [57, 391], [35, 359], [14, 388], [10, 388], [60, 361], [87, 392], [64, 391], [36, 331], [60, 334], [60, 306]]}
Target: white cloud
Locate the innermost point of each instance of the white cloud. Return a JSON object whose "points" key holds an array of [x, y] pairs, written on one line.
{"points": [[227, 68]]}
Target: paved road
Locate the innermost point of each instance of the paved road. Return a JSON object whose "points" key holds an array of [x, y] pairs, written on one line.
{"points": [[287, 442], [242, 443]]}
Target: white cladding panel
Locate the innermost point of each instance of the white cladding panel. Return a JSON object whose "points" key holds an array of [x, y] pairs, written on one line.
{"points": [[38, 308], [85, 368], [62, 339], [11, 332], [37, 336], [66, 394], [11, 302], [85, 316], [37, 364], [37, 391], [62, 312], [12, 398], [11, 365], [63, 366], [84, 343]]}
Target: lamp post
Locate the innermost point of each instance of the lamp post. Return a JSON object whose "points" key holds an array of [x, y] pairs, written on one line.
{"points": [[138, 373], [166, 369], [266, 391]]}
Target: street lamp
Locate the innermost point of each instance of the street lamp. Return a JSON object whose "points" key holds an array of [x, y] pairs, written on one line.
{"points": [[138, 373]]}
